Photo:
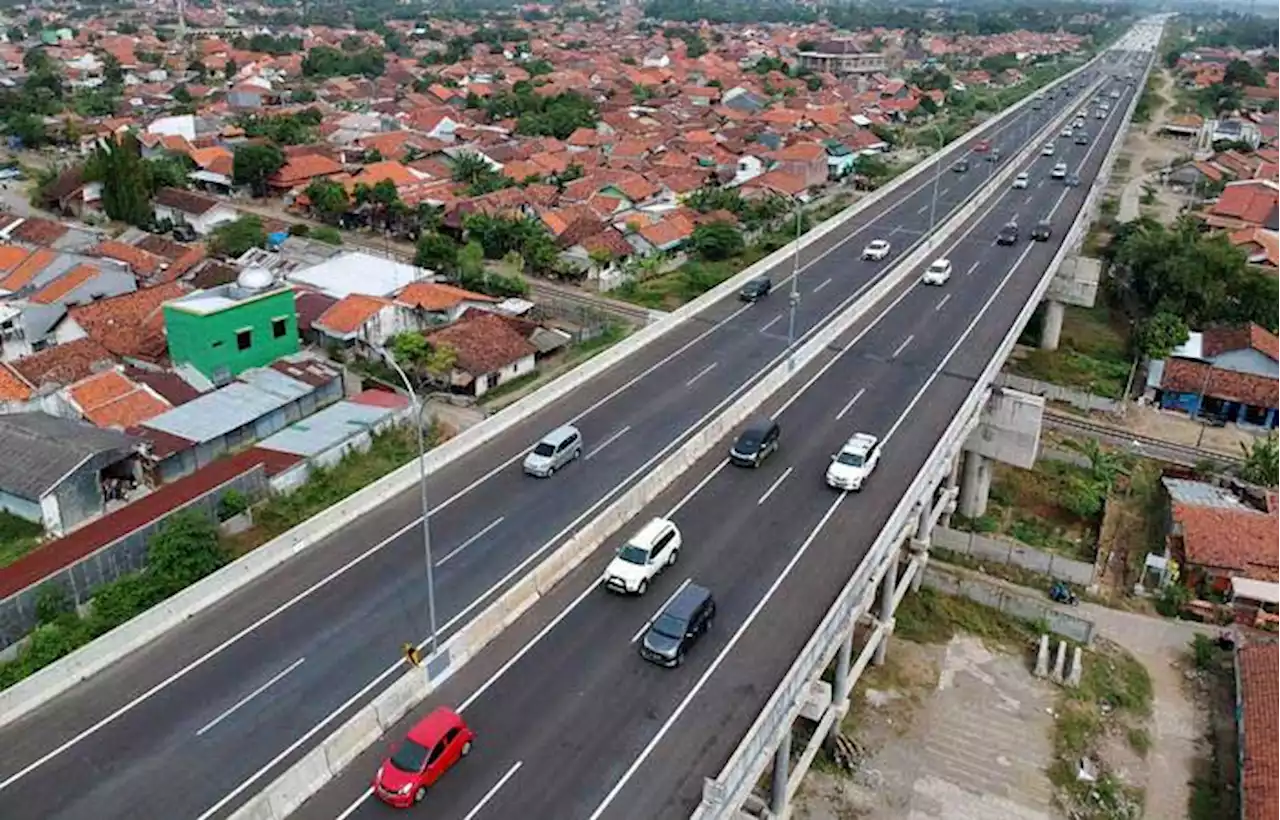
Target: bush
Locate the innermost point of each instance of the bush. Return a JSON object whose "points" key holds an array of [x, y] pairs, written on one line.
{"points": [[52, 602], [232, 503], [327, 235], [299, 229], [1172, 599]]}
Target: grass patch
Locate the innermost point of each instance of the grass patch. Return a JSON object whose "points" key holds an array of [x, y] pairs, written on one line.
{"points": [[1006, 572], [687, 282], [18, 536], [577, 354], [1139, 740], [927, 616], [1114, 695]]}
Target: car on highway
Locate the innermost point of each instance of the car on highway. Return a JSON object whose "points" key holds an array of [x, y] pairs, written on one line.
{"points": [[1008, 234], [960, 166], [645, 555], [1021, 180], [683, 620], [937, 273], [876, 250], [1048, 150], [553, 451], [1072, 180], [855, 462], [1082, 138], [430, 749], [1059, 171], [1115, 95], [1065, 132], [994, 156], [981, 146], [1042, 231], [756, 289], [756, 443], [1099, 114], [1079, 123]]}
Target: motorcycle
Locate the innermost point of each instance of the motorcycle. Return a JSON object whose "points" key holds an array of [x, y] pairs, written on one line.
{"points": [[1062, 594]]}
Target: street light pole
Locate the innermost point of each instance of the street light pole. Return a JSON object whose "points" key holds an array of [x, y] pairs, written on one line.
{"points": [[937, 172], [793, 300], [418, 407]]}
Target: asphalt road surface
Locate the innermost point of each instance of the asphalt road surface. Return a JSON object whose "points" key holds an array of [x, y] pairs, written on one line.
{"points": [[572, 724]]}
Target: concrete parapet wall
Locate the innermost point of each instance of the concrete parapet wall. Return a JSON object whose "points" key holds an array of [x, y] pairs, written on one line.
{"points": [[962, 583], [1013, 553], [1055, 392]]}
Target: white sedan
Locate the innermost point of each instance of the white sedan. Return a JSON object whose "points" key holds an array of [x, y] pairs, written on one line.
{"points": [[878, 249], [938, 273], [854, 463]]}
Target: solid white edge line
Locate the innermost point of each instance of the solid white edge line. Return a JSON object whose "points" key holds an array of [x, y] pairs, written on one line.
{"points": [[356, 804], [704, 371], [715, 664], [648, 623], [610, 440], [484, 801], [240, 703], [849, 404], [776, 483], [481, 534]]}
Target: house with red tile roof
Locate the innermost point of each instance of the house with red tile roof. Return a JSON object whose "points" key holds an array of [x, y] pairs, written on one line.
{"points": [[300, 171], [1220, 532], [113, 401], [1225, 373], [1246, 203], [361, 319], [129, 326], [807, 161], [490, 352], [1258, 729], [63, 364], [438, 303]]}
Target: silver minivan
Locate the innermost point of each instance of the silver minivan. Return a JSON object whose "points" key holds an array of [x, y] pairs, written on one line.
{"points": [[556, 449]]}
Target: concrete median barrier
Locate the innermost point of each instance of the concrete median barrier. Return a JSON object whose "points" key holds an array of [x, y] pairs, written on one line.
{"points": [[357, 734], [484, 628]]}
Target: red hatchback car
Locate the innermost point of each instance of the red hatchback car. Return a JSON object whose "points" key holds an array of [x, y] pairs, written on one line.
{"points": [[437, 742]]}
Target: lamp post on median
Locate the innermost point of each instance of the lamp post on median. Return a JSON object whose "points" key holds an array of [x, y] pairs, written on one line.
{"points": [[793, 300], [937, 172], [418, 407]]}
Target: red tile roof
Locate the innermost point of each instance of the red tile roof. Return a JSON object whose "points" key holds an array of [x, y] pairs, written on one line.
{"points": [[303, 168], [1239, 540], [348, 314], [1226, 339], [484, 343], [1253, 201], [11, 256], [130, 325], [111, 400], [1257, 668], [1189, 376], [12, 386], [438, 296], [27, 270], [64, 363], [141, 262]]}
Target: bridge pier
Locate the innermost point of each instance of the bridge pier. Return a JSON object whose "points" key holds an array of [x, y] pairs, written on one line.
{"points": [[781, 774], [884, 612], [921, 542], [976, 485], [1051, 330]]}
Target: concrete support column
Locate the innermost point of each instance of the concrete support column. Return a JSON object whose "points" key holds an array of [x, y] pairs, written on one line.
{"points": [[976, 485], [1051, 331], [781, 773], [884, 611], [920, 546], [952, 481], [844, 660]]}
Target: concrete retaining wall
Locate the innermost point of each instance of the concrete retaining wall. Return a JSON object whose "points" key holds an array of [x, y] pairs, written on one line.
{"points": [[961, 583], [1056, 392], [1013, 553]]}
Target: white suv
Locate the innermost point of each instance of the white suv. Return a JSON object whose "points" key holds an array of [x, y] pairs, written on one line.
{"points": [[938, 273], [855, 461], [877, 249], [643, 557]]}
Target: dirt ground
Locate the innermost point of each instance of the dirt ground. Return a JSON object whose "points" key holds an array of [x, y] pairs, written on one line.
{"points": [[1147, 153], [957, 731]]}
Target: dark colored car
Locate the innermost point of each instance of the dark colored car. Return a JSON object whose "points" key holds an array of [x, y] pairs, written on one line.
{"points": [[1072, 180], [1042, 231], [431, 748], [756, 289], [685, 619], [960, 166], [994, 156], [756, 443], [1007, 235]]}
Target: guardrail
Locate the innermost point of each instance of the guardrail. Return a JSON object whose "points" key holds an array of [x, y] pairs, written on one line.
{"points": [[41, 687], [723, 795], [315, 769]]}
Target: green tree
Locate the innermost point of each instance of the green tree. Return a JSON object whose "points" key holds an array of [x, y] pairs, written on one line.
{"points": [[409, 349], [232, 239], [1261, 464], [254, 163], [1243, 73], [439, 362], [230, 69], [436, 252], [327, 234], [28, 128], [717, 240], [125, 178], [1158, 336], [329, 200], [185, 550], [169, 171], [181, 94]]}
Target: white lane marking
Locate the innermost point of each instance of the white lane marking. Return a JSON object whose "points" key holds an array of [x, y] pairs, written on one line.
{"points": [[359, 801], [502, 781], [289, 604], [648, 623], [458, 549], [849, 404], [920, 211], [689, 495], [704, 371], [774, 486], [903, 346], [244, 700], [610, 440], [822, 285], [945, 299], [719, 659], [943, 192], [973, 267], [771, 323]]}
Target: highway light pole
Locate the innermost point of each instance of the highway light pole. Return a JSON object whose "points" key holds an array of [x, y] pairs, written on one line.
{"points": [[793, 301], [418, 407], [937, 172]]}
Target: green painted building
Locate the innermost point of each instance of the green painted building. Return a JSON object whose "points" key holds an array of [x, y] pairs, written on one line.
{"points": [[231, 328]]}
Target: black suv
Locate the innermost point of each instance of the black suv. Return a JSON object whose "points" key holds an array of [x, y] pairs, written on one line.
{"points": [[960, 166], [1008, 235], [678, 626], [757, 288], [755, 444], [1042, 231]]}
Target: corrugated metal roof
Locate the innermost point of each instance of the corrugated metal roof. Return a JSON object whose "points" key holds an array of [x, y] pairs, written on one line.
{"points": [[239, 403], [38, 450], [1200, 494], [328, 428]]}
